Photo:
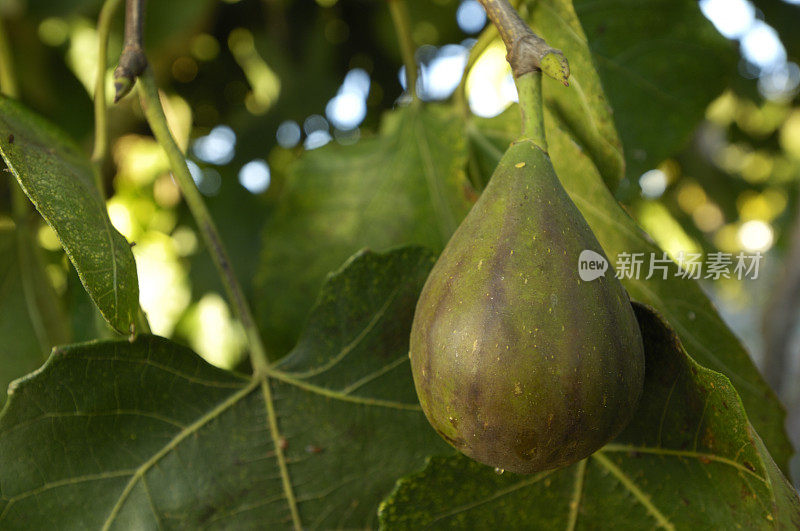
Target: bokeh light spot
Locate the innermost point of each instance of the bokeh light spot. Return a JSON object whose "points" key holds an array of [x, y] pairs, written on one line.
{"points": [[217, 147], [653, 183], [255, 176], [756, 236], [470, 16], [288, 134]]}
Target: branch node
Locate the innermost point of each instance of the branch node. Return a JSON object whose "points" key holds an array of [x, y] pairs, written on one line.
{"points": [[531, 53], [132, 61], [132, 64]]}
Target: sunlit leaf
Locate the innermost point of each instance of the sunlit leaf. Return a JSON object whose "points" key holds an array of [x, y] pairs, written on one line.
{"points": [[406, 186], [59, 180], [147, 434], [688, 460]]}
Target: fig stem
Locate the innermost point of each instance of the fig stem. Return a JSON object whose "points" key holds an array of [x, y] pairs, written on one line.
{"points": [[402, 25], [132, 61], [529, 88], [527, 52]]}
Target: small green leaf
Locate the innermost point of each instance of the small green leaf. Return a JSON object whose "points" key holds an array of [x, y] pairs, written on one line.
{"points": [[688, 460], [406, 186], [146, 434], [59, 180]]}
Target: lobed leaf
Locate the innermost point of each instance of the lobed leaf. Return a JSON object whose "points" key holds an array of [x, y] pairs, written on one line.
{"points": [[689, 460], [59, 180], [147, 434]]}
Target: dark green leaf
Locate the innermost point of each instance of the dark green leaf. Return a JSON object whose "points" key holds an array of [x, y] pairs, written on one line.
{"points": [[405, 187], [148, 435], [688, 460], [582, 106], [661, 63], [59, 180]]}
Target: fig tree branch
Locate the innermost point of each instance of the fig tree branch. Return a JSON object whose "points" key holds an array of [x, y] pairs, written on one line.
{"points": [[527, 52], [132, 61]]}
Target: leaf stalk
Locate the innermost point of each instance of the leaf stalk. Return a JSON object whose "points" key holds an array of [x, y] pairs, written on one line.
{"points": [[402, 25], [100, 108], [154, 113]]}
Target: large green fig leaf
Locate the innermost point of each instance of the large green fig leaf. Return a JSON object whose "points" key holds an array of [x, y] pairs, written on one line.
{"points": [[59, 180], [661, 63], [407, 186], [146, 434], [689, 460], [681, 301], [638, 46], [582, 106]]}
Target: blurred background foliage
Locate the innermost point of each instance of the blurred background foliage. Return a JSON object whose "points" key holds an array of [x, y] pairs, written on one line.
{"points": [[250, 85]]}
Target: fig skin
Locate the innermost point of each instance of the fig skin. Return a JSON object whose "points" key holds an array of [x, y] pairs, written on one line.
{"points": [[517, 362]]}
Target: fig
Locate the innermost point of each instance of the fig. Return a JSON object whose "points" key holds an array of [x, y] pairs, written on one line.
{"points": [[518, 362]]}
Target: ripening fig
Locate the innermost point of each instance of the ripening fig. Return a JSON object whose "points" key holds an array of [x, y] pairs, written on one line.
{"points": [[517, 362]]}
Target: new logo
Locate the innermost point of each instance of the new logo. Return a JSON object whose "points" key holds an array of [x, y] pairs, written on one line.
{"points": [[591, 265]]}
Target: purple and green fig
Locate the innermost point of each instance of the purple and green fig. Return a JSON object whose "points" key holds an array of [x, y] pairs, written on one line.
{"points": [[517, 362]]}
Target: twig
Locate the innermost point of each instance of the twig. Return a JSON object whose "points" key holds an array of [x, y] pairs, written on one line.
{"points": [[100, 109], [402, 25], [154, 112], [527, 52], [132, 61]]}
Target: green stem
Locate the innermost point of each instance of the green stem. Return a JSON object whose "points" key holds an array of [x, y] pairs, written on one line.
{"points": [[100, 108], [154, 113], [8, 83], [402, 24], [529, 88]]}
